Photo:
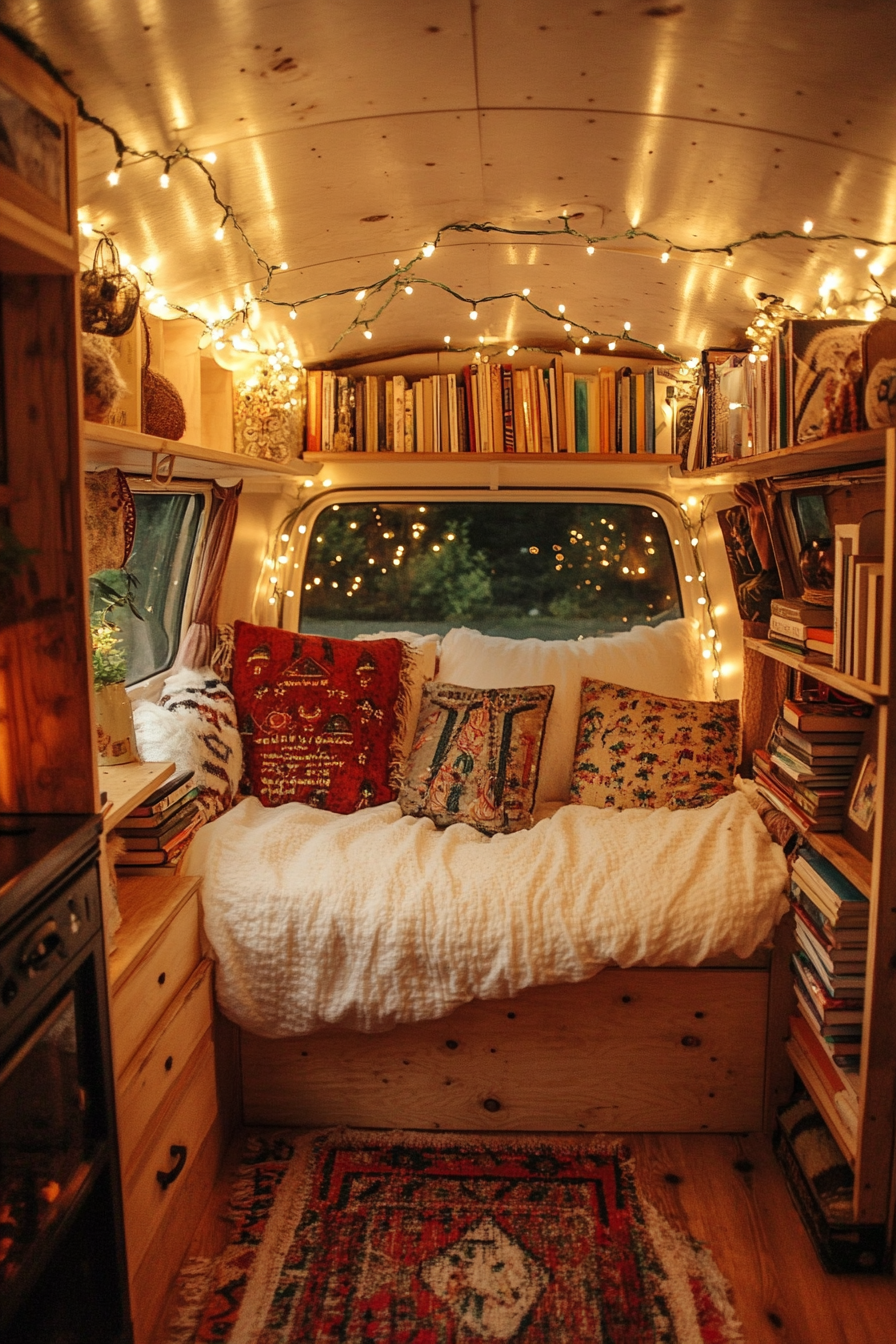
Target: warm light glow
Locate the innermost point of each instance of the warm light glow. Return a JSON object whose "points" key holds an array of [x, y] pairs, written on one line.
{"points": [[210, 157], [284, 265], [578, 351], [861, 252], [150, 265], [368, 335], [561, 307], [590, 250], [219, 234], [876, 268], [409, 289], [86, 228], [113, 177], [661, 348], [626, 326], [447, 340], [361, 294], [473, 315], [428, 249], [526, 293], [586, 340], [164, 180], [664, 258], [808, 226], [612, 345]]}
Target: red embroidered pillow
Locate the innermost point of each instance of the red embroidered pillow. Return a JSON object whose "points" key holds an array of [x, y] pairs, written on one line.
{"points": [[319, 717]]}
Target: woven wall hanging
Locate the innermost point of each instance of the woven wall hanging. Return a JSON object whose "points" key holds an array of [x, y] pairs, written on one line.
{"points": [[163, 407], [110, 296]]}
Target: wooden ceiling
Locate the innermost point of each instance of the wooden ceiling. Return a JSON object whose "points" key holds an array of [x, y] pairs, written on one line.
{"points": [[348, 131]]}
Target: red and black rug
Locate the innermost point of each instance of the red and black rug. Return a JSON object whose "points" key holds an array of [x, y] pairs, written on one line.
{"points": [[407, 1238]]}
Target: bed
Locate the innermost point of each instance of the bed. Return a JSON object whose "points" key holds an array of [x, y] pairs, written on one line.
{"points": [[605, 969]]}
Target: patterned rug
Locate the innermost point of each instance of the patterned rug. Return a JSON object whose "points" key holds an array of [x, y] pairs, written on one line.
{"points": [[408, 1238]]}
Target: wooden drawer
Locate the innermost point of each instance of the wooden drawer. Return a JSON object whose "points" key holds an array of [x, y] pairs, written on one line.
{"points": [[185, 1118], [153, 1072], [139, 1001]]}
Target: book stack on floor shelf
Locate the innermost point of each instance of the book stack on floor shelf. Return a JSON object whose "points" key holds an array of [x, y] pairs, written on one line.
{"points": [[831, 926], [807, 766], [156, 833]]}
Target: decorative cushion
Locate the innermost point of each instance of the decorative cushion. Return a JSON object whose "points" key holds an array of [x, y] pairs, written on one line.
{"points": [[194, 724], [640, 750], [422, 655], [322, 719], [663, 658], [475, 756]]}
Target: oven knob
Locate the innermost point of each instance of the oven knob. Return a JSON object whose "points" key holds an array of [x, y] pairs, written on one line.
{"points": [[9, 991]]}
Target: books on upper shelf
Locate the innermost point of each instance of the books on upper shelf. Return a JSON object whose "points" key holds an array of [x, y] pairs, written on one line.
{"points": [[807, 386], [155, 834], [805, 773], [859, 597], [500, 408], [802, 627]]}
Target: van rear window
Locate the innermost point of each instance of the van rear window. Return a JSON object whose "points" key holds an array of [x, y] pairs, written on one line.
{"points": [[551, 570]]}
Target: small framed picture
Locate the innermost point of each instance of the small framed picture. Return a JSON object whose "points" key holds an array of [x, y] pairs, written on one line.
{"points": [[861, 806]]}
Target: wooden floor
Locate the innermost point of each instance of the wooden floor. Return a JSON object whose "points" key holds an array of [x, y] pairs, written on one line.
{"points": [[744, 1215]]}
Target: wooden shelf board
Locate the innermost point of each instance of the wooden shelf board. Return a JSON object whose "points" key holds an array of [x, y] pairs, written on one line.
{"points": [[126, 786], [822, 1098], [862, 690], [836, 848], [634, 459], [845, 450], [112, 445], [146, 903]]}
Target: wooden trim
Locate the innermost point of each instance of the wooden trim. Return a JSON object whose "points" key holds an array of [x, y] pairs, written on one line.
{"points": [[844, 450], [862, 690], [878, 1077], [628, 459], [778, 1068]]}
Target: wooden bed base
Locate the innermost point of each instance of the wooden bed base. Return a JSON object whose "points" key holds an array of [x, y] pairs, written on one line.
{"points": [[666, 1049]]}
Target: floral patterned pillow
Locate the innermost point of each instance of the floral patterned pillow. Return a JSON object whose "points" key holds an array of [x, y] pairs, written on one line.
{"points": [[475, 756], [641, 750]]}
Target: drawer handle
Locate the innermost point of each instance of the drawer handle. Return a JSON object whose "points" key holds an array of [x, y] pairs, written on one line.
{"points": [[166, 1178]]}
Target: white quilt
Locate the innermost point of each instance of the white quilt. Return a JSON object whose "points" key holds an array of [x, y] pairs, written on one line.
{"points": [[373, 919]]}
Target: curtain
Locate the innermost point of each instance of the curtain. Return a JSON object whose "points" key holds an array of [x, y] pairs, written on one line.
{"points": [[198, 643]]}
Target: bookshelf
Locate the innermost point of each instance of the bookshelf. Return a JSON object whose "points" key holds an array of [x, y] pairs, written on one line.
{"points": [[148, 455], [629, 459], [862, 690], [833, 454]]}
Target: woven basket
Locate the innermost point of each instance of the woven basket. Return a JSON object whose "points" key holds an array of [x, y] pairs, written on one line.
{"points": [[163, 407], [110, 296]]}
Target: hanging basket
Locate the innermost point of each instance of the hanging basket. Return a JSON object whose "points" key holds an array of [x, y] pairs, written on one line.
{"points": [[110, 296], [163, 407]]}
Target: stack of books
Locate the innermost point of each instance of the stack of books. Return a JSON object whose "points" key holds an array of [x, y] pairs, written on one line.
{"points": [[500, 408], [831, 925], [157, 832], [806, 769], [803, 628]]}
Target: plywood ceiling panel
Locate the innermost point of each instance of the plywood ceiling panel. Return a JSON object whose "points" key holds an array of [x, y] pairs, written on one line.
{"points": [[347, 132]]}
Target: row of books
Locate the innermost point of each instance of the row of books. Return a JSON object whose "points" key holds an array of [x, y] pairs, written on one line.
{"points": [[829, 966], [858, 610], [803, 628], [499, 408], [156, 834], [808, 386], [806, 767]]}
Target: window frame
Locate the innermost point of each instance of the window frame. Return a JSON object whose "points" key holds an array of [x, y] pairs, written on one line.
{"points": [[666, 508], [150, 688]]}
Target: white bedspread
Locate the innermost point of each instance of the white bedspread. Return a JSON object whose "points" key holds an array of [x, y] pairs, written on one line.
{"points": [[373, 919]]}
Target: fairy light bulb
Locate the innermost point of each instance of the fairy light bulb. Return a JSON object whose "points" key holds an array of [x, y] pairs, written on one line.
{"points": [[567, 326], [612, 345], [861, 252], [86, 228], [360, 296], [526, 293], [210, 157], [164, 181], [561, 307], [149, 265], [578, 350], [664, 257], [590, 250], [219, 234], [447, 340], [482, 340], [473, 314], [661, 347], [428, 249], [409, 289], [808, 226], [626, 326], [586, 340], [396, 262], [284, 266], [368, 334], [113, 177], [876, 268], [293, 314]]}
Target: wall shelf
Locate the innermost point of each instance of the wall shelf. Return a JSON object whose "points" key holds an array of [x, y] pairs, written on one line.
{"points": [[634, 459], [843, 451], [861, 690], [148, 455]]}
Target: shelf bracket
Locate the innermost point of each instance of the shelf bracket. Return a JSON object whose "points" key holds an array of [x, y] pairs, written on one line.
{"points": [[163, 459]]}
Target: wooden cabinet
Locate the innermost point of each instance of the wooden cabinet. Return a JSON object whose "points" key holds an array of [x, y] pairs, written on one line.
{"points": [[170, 1133]]}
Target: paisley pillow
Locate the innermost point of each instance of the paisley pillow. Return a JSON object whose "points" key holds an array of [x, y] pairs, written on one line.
{"points": [[475, 756], [640, 750]]}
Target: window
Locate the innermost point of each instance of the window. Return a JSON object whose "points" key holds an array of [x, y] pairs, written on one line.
{"points": [[165, 541], [551, 570]]}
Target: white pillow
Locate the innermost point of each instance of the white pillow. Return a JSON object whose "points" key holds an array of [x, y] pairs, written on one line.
{"points": [[663, 659], [423, 653]]}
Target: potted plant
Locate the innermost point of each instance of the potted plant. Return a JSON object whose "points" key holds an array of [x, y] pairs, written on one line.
{"points": [[116, 743]]}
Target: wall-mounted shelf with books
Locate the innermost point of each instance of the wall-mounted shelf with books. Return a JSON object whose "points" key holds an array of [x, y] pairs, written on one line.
{"points": [[834, 454], [861, 690], [834, 847], [148, 455]]}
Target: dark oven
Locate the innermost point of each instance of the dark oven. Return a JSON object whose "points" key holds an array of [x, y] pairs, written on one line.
{"points": [[61, 1266]]}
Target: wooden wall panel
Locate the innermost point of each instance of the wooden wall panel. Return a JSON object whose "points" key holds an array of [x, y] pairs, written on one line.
{"points": [[654, 1049]]}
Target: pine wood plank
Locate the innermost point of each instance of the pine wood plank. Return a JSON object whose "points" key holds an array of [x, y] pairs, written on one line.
{"points": [[146, 904], [637, 1050], [126, 786]]}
